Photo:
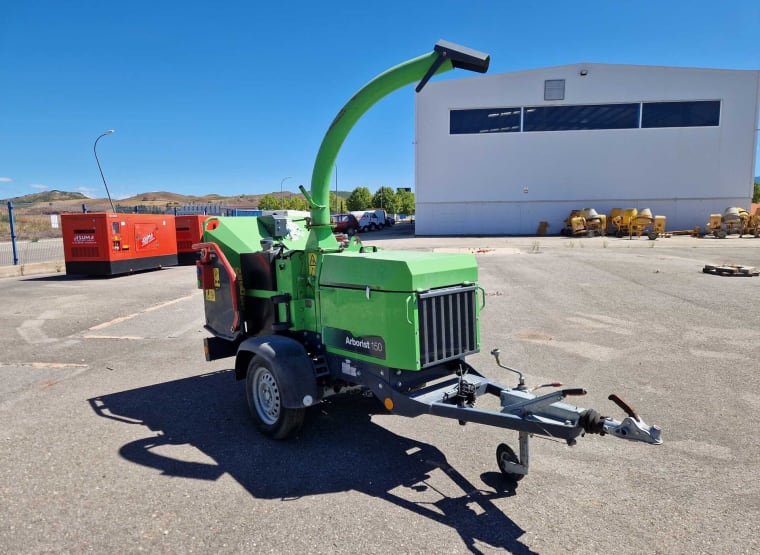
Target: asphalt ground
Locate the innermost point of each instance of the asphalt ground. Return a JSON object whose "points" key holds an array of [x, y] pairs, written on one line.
{"points": [[117, 436]]}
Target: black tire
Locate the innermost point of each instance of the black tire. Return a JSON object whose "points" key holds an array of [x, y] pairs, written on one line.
{"points": [[652, 235], [505, 454], [350, 232], [380, 227], [372, 227], [262, 390]]}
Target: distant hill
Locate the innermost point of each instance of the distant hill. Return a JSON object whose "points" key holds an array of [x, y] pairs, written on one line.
{"points": [[42, 202], [159, 196], [48, 196]]}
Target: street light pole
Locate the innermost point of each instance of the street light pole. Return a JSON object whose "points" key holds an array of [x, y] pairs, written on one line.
{"points": [[282, 199], [95, 150]]}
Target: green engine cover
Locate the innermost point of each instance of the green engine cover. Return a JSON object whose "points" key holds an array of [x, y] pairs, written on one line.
{"points": [[401, 309], [238, 235]]}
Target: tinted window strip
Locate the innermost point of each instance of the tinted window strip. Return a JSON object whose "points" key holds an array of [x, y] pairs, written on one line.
{"points": [[581, 117], [484, 120], [701, 113]]}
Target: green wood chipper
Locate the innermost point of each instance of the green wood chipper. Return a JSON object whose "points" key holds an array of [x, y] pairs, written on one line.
{"points": [[307, 317]]}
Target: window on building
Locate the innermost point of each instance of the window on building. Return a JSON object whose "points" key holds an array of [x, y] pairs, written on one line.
{"points": [[701, 113], [484, 120], [591, 116]]}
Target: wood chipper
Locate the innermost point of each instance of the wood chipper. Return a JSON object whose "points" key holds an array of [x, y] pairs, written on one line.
{"points": [[307, 317]]}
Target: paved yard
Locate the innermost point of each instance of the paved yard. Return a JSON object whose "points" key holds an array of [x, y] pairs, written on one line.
{"points": [[117, 435]]}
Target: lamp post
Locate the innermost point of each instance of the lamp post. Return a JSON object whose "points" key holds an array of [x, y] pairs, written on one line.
{"points": [[95, 150], [282, 199]]}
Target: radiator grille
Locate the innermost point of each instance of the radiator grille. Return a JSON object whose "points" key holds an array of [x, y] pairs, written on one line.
{"points": [[448, 327], [84, 252]]}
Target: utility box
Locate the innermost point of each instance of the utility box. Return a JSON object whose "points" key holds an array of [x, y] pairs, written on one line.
{"points": [[105, 243]]}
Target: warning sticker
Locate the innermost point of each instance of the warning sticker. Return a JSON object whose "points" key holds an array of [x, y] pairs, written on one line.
{"points": [[312, 263]]}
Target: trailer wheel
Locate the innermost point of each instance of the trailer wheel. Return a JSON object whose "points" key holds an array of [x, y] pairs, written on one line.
{"points": [[265, 402], [504, 456]]}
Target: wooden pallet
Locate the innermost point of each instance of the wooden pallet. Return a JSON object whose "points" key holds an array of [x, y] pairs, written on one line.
{"points": [[731, 270]]}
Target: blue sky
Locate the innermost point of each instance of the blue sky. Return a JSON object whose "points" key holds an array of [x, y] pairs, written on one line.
{"points": [[231, 97]]}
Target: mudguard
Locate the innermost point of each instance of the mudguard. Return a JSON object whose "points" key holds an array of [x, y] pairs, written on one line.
{"points": [[290, 364]]}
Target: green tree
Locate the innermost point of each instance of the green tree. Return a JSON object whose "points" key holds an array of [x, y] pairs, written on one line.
{"points": [[296, 203], [756, 194], [340, 206], [405, 200], [385, 198], [269, 202], [359, 199]]}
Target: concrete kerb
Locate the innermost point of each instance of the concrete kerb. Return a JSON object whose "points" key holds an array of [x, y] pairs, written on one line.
{"points": [[33, 268]]}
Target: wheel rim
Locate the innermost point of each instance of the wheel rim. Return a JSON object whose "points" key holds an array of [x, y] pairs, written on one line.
{"points": [[266, 396]]}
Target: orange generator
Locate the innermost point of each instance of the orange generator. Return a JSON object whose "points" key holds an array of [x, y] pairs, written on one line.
{"points": [[107, 243], [189, 232]]}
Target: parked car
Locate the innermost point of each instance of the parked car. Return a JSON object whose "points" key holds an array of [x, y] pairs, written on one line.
{"points": [[371, 220], [344, 223]]}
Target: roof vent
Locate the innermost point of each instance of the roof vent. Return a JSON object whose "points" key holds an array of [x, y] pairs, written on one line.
{"points": [[554, 89]]}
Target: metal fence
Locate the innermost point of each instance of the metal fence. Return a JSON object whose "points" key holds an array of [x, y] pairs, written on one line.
{"points": [[27, 252], [27, 237]]}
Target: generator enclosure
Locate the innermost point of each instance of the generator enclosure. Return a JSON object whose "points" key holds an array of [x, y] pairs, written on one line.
{"points": [[189, 232], [105, 243]]}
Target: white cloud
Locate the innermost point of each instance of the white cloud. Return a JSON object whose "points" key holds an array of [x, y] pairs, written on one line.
{"points": [[39, 186], [5, 180]]}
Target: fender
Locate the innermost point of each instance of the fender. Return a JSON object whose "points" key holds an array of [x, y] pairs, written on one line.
{"points": [[290, 364]]}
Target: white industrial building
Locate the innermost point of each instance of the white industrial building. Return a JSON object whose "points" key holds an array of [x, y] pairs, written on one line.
{"points": [[501, 153]]}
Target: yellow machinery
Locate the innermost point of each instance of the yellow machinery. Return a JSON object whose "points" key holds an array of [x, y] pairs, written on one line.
{"points": [[752, 225], [596, 223], [659, 225], [734, 220], [622, 220], [584, 222], [615, 214], [631, 222]]}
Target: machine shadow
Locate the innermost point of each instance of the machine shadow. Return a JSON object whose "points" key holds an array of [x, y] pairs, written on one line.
{"points": [[339, 449], [57, 278], [84, 277]]}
